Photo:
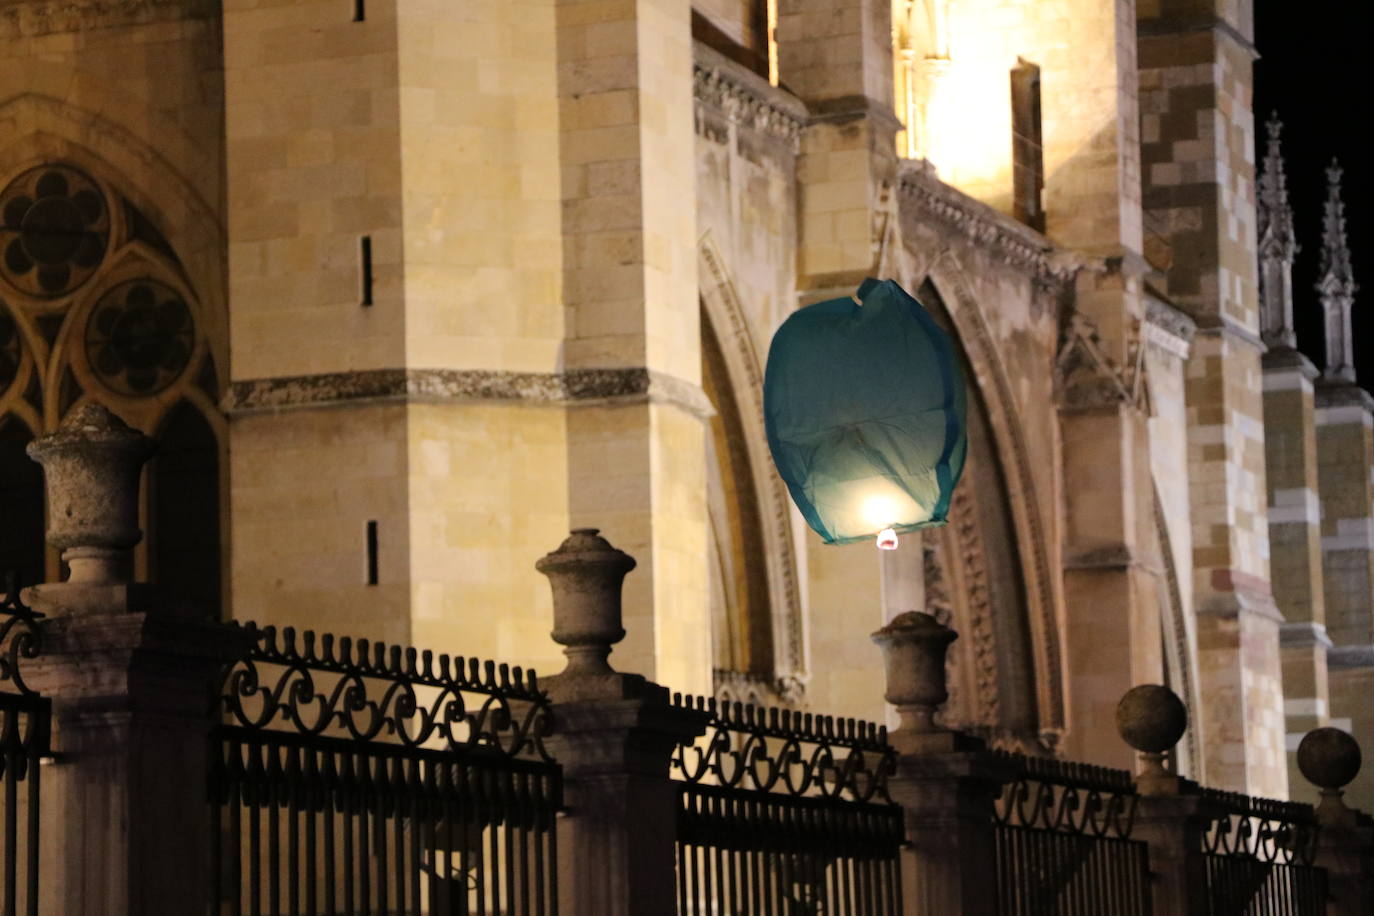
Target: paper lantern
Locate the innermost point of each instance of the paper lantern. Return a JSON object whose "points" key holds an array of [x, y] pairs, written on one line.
{"points": [[864, 409]]}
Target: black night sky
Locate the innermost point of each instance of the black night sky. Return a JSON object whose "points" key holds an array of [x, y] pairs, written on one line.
{"points": [[1314, 71]]}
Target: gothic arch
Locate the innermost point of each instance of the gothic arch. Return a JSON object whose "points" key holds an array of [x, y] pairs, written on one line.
{"points": [[118, 321], [1031, 534], [725, 313], [53, 130]]}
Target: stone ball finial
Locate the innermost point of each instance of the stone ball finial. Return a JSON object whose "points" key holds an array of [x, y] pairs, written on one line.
{"points": [[1329, 758], [914, 646], [91, 468], [586, 574], [1151, 718]]}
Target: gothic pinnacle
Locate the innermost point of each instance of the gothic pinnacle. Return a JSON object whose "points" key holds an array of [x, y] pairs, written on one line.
{"points": [[1336, 286], [1277, 246], [1275, 215]]}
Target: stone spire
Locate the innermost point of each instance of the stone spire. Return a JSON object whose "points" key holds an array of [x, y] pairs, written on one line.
{"points": [[1336, 285], [1277, 245]]}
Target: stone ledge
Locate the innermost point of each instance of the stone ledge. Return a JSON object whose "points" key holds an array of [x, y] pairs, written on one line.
{"points": [[1303, 634], [578, 387], [1345, 657]]}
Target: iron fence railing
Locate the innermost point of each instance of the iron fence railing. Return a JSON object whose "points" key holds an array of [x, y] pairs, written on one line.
{"points": [[359, 778], [25, 723], [785, 813], [1258, 855], [1063, 840]]}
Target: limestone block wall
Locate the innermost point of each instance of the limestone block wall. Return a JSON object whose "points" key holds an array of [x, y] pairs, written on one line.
{"points": [[304, 487], [1290, 443], [1088, 109], [637, 468], [1197, 140], [1345, 452], [383, 129], [1345, 480]]}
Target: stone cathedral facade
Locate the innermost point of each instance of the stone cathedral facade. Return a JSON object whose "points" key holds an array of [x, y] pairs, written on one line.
{"points": [[405, 289]]}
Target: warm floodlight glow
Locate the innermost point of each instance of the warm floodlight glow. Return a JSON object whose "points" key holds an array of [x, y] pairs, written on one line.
{"points": [[880, 511]]}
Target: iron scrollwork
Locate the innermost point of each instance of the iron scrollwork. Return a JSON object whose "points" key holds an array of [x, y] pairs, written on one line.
{"points": [[1076, 798], [21, 636], [371, 692], [1262, 829], [786, 752]]}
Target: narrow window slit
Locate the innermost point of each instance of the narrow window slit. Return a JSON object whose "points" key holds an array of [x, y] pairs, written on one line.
{"points": [[359, 10], [365, 252], [372, 552]]}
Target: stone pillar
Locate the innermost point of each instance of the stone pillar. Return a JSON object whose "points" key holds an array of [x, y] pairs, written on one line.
{"points": [[1330, 759], [126, 818], [1169, 816], [1295, 554], [1345, 453], [614, 734], [636, 456], [836, 55], [1198, 176], [945, 781]]}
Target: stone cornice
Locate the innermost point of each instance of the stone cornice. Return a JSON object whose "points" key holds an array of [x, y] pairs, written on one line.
{"points": [[573, 387], [1303, 634], [746, 98], [1343, 394], [1351, 657], [1286, 359], [29, 18], [1007, 239]]}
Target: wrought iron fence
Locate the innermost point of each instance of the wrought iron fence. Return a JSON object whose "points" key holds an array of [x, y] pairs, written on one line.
{"points": [[25, 720], [1063, 838], [785, 813], [1258, 854], [349, 777]]}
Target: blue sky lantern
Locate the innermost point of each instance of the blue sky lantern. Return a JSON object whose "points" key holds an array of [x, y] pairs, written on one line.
{"points": [[864, 407]]}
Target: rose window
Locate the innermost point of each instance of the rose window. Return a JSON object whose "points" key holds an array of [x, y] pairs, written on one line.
{"points": [[139, 337], [54, 228], [10, 350]]}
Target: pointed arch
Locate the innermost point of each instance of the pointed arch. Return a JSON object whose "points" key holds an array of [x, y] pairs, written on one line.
{"points": [[1008, 439], [743, 372]]}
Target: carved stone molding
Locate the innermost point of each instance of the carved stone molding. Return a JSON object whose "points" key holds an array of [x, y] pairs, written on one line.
{"points": [[1168, 328], [1087, 378], [1031, 531], [1005, 239], [575, 386], [745, 99], [46, 17], [726, 313]]}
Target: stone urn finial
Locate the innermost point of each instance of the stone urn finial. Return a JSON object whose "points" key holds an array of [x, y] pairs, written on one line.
{"points": [[586, 573], [1151, 718], [1330, 759], [914, 646], [91, 467]]}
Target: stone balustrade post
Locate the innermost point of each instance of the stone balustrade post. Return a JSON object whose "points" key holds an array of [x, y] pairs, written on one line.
{"points": [[1170, 816], [125, 807], [1330, 759], [614, 735], [946, 782]]}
